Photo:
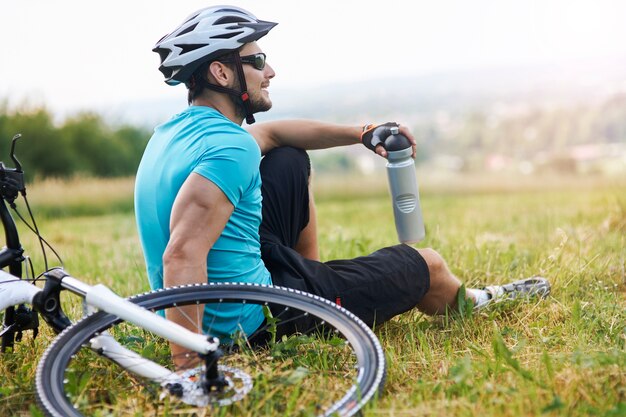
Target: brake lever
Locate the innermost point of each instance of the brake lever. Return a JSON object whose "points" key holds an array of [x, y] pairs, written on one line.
{"points": [[12, 179], [18, 166]]}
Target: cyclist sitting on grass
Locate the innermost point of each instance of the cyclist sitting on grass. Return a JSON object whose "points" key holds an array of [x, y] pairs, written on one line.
{"points": [[216, 202]]}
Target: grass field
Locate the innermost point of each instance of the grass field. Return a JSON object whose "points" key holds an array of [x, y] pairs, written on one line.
{"points": [[565, 355]]}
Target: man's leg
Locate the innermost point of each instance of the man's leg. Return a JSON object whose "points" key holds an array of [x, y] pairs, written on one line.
{"points": [[285, 174], [307, 242], [289, 216], [289, 220]]}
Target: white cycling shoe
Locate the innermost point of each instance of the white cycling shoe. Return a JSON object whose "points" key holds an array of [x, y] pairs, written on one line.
{"points": [[525, 288]]}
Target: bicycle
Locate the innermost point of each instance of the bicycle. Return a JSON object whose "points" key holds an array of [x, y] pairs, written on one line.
{"points": [[117, 358]]}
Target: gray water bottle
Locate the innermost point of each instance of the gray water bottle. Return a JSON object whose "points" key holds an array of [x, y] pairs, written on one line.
{"points": [[403, 186]]}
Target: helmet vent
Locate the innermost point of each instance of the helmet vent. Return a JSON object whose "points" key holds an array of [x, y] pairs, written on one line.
{"points": [[228, 11], [190, 47], [168, 71], [226, 35], [229, 19], [189, 29], [163, 53]]}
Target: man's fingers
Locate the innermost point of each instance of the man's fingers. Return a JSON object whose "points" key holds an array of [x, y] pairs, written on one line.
{"points": [[406, 132], [380, 150]]}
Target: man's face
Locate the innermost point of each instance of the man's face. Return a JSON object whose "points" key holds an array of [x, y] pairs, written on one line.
{"points": [[258, 81]]}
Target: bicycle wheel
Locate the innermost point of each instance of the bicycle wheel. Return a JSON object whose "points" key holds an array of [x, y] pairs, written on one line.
{"points": [[332, 367]]}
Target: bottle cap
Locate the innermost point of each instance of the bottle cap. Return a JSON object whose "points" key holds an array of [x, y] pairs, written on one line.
{"points": [[396, 141]]}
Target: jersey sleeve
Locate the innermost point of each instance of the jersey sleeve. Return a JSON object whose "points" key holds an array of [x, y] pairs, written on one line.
{"points": [[232, 165]]}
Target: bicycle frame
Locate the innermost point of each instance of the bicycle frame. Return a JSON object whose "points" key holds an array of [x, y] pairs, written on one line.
{"points": [[14, 291]]}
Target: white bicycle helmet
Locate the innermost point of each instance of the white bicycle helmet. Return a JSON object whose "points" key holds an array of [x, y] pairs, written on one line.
{"points": [[204, 36]]}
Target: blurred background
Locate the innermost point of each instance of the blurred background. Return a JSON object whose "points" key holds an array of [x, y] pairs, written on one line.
{"points": [[503, 90]]}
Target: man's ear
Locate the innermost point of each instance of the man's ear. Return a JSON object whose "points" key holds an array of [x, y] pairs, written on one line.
{"points": [[220, 73]]}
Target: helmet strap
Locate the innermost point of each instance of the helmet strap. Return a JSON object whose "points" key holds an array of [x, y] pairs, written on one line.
{"points": [[242, 95]]}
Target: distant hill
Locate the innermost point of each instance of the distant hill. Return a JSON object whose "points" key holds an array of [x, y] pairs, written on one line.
{"points": [[419, 97]]}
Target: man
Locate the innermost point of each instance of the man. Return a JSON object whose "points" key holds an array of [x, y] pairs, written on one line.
{"points": [[210, 207]]}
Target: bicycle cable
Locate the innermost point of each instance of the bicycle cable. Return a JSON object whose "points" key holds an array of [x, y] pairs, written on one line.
{"points": [[33, 228]]}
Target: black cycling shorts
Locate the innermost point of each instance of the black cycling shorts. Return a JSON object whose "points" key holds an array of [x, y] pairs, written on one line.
{"points": [[375, 287]]}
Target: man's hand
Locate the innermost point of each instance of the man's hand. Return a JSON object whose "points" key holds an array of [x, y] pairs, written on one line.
{"points": [[373, 137]]}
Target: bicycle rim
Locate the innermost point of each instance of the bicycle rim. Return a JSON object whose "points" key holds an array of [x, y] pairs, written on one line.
{"points": [[332, 367]]}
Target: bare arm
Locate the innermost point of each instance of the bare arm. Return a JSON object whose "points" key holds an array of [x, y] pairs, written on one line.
{"points": [[309, 134], [199, 216], [303, 134]]}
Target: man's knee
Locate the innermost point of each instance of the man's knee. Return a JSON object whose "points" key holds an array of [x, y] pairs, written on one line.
{"points": [[436, 264], [443, 285]]}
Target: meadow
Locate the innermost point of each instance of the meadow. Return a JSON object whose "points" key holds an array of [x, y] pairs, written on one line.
{"points": [[565, 355]]}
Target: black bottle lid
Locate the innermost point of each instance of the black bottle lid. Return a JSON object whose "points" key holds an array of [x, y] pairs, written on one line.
{"points": [[396, 141]]}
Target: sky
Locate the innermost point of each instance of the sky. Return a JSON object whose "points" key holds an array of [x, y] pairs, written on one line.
{"points": [[78, 54]]}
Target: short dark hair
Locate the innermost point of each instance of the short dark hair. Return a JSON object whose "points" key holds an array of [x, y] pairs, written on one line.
{"points": [[196, 83]]}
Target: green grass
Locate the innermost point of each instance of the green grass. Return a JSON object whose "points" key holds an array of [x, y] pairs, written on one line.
{"points": [[565, 355]]}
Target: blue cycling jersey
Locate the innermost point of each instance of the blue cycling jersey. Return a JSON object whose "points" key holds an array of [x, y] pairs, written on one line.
{"points": [[201, 140]]}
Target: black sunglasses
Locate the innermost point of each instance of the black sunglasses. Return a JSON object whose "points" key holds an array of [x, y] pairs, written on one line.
{"points": [[256, 60]]}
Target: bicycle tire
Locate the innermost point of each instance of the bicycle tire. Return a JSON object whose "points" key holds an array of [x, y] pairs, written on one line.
{"points": [[364, 366]]}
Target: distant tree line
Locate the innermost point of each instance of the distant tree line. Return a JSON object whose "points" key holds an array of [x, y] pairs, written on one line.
{"points": [[523, 134], [86, 144], [83, 145]]}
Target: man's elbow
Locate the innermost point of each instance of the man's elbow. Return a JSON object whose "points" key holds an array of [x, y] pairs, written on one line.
{"points": [[181, 265], [172, 257]]}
